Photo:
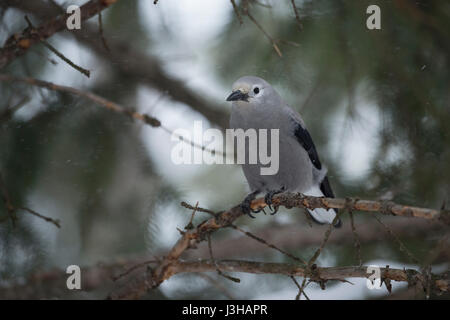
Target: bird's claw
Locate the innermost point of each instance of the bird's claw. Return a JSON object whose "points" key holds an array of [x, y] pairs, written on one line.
{"points": [[268, 200], [246, 205]]}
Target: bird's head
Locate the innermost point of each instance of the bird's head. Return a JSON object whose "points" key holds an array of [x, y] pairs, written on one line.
{"points": [[250, 90]]}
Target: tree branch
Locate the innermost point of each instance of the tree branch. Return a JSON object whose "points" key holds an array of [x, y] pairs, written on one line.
{"points": [[18, 44], [12, 209], [165, 269], [317, 274], [133, 64], [145, 118], [102, 275]]}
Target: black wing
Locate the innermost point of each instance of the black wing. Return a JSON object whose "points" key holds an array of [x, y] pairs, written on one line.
{"points": [[304, 138]]}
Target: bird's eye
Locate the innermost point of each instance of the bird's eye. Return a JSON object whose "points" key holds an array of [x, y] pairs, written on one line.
{"points": [[256, 90]]}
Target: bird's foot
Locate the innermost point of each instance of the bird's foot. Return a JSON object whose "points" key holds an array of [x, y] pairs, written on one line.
{"points": [[268, 199], [246, 204]]}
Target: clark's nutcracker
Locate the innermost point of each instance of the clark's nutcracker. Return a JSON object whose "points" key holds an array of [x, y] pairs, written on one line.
{"points": [[256, 105]]}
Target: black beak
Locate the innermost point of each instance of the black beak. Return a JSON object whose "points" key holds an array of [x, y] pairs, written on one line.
{"points": [[237, 95]]}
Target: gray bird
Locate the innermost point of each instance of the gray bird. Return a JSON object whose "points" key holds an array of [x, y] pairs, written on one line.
{"points": [[256, 105]]}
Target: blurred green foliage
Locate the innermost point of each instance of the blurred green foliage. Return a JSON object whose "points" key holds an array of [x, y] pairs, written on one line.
{"points": [[89, 166]]}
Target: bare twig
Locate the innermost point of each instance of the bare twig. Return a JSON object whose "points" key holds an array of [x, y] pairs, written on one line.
{"points": [[106, 104], [197, 208], [19, 43], [400, 243], [324, 241], [236, 11], [356, 242], [297, 17], [11, 209], [300, 289], [100, 30], [219, 272], [270, 245], [248, 234], [190, 225], [33, 31], [268, 36], [54, 221], [136, 65]]}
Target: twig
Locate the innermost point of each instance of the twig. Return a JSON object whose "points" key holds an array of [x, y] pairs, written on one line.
{"points": [[248, 234], [236, 11], [135, 65], [190, 225], [356, 241], [199, 209], [18, 44], [272, 41], [11, 209], [54, 221], [297, 17], [53, 49], [400, 243], [261, 240], [324, 241], [294, 236], [219, 272], [300, 289], [106, 104], [51, 60], [100, 30]]}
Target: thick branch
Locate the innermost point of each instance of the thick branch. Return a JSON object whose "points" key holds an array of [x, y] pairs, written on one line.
{"points": [[18, 44], [439, 284], [298, 200], [101, 275], [316, 274], [133, 64], [189, 238]]}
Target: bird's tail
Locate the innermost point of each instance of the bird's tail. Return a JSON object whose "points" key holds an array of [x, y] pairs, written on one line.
{"points": [[320, 215]]}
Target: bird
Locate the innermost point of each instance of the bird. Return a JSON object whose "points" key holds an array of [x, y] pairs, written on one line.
{"points": [[255, 104]]}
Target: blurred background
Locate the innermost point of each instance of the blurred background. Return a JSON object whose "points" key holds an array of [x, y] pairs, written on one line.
{"points": [[377, 104]]}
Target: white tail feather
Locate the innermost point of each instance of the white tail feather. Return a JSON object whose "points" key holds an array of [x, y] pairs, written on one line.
{"points": [[319, 214]]}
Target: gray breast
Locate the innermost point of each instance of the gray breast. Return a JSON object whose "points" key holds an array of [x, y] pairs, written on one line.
{"points": [[295, 169]]}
